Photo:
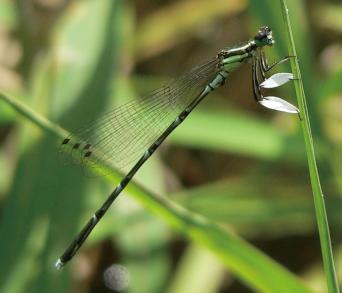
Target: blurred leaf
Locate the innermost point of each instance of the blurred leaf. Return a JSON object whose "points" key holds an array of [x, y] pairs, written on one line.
{"points": [[329, 16], [248, 204], [331, 109], [331, 59], [192, 272], [7, 115], [159, 31], [7, 14], [77, 45], [145, 245], [330, 87]]}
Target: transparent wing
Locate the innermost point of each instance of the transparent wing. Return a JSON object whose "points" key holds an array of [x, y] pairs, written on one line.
{"points": [[121, 136]]}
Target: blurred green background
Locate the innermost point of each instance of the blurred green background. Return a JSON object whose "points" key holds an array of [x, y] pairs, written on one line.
{"points": [[231, 169]]}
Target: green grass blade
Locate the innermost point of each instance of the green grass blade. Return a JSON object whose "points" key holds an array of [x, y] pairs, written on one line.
{"points": [[253, 210], [39, 120], [320, 210], [192, 272], [256, 269]]}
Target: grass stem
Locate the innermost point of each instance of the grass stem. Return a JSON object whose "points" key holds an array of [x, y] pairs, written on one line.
{"points": [[321, 216]]}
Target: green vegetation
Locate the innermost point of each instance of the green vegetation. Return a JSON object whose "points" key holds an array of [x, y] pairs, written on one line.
{"points": [[231, 169]]}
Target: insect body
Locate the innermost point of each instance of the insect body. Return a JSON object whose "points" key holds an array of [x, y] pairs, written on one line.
{"points": [[130, 134]]}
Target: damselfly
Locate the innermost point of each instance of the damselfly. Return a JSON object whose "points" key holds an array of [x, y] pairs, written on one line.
{"points": [[131, 133]]}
